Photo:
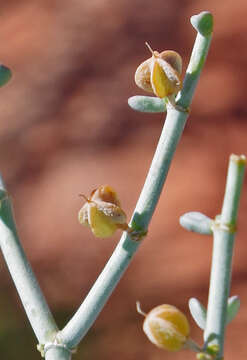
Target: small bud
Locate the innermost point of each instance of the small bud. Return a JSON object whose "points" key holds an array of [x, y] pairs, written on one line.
{"points": [[102, 212], [41, 349], [204, 356], [160, 74], [213, 350], [166, 327]]}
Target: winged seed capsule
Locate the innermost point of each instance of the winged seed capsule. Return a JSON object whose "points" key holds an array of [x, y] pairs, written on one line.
{"points": [[102, 212], [160, 74], [166, 327]]}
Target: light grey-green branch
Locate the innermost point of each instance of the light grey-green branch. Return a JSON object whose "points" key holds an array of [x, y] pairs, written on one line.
{"points": [[26, 284], [83, 319], [224, 233]]}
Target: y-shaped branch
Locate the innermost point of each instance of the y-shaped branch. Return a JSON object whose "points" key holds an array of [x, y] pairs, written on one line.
{"points": [[83, 319]]}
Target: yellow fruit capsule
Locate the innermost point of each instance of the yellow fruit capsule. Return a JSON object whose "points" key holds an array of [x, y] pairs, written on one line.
{"points": [[166, 327], [160, 74], [102, 212]]}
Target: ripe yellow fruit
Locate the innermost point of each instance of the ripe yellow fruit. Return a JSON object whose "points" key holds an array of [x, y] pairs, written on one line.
{"points": [[102, 212], [167, 327], [160, 74]]}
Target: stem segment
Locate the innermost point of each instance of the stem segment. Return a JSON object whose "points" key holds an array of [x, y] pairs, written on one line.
{"points": [[26, 284], [25, 281], [85, 316], [224, 233]]}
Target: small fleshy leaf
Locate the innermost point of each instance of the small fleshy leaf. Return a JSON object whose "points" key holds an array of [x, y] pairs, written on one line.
{"points": [[198, 312], [148, 104], [5, 75], [232, 308], [203, 23], [196, 222]]}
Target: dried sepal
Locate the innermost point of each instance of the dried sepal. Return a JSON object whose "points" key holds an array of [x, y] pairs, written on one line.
{"points": [[102, 212], [160, 74], [83, 214], [173, 59], [142, 76], [105, 193]]}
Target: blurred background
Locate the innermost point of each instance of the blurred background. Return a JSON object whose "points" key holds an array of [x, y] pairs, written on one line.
{"points": [[66, 128]]}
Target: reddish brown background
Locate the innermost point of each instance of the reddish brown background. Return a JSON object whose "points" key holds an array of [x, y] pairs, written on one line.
{"points": [[66, 128]]}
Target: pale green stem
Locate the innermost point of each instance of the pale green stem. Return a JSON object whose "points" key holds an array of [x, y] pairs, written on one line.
{"points": [[21, 272], [27, 286], [196, 63], [57, 354], [224, 233], [85, 316]]}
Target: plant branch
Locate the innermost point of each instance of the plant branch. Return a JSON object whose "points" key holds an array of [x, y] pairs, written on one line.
{"points": [[224, 233], [26, 284], [85, 316]]}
